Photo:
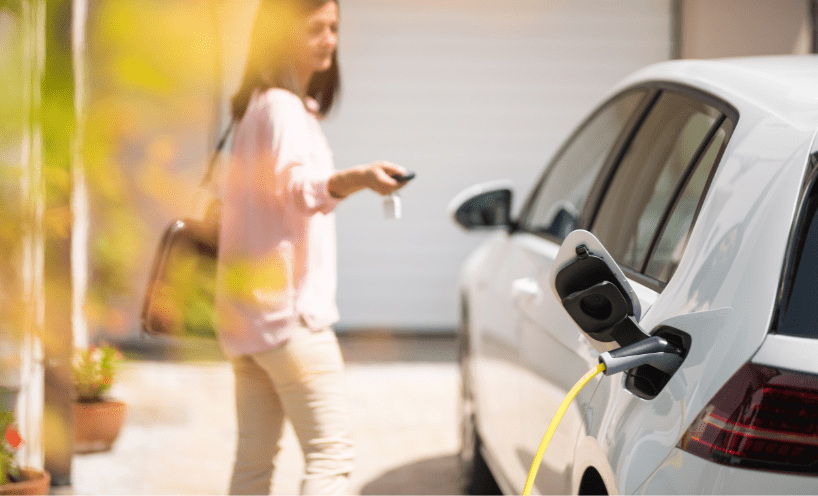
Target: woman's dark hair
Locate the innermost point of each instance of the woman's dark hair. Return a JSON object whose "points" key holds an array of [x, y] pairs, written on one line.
{"points": [[270, 56]]}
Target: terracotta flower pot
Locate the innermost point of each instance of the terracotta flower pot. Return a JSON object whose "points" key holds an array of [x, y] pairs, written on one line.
{"points": [[34, 482], [97, 425]]}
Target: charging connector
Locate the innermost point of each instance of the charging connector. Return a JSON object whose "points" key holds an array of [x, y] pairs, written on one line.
{"points": [[655, 351]]}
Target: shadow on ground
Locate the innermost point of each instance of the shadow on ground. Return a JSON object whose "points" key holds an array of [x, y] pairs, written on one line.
{"points": [[430, 476], [365, 347]]}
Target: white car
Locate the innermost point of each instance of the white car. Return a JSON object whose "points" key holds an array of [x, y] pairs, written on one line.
{"points": [[700, 180]]}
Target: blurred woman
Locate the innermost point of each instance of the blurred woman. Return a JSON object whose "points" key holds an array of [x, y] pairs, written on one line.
{"points": [[275, 298]]}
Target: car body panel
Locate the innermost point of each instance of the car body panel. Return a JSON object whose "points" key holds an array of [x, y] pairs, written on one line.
{"points": [[547, 381], [683, 473], [495, 342], [637, 434], [590, 455], [512, 396], [757, 202], [723, 294], [777, 85], [788, 352], [493, 351]]}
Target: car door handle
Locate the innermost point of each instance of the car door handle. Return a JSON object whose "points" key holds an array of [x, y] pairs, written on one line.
{"points": [[526, 290]]}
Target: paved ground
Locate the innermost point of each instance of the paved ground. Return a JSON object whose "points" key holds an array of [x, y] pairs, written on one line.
{"points": [[179, 436]]}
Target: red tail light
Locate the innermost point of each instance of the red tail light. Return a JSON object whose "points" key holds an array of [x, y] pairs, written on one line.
{"points": [[763, 418]]}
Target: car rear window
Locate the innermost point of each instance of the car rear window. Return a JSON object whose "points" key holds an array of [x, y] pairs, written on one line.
{"points": [[799, 308]]}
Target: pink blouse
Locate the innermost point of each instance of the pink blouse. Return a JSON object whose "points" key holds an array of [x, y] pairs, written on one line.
{"points": [[277, 253]]}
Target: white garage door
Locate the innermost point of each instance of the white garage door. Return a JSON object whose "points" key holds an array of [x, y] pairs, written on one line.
{"points": [[461, 92]]}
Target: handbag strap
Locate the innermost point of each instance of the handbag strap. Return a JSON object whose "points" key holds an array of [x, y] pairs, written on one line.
{"points": [[219, 146]]}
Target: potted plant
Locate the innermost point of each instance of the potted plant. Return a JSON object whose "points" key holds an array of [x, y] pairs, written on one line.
{"points": [[97, 418], [13, 479]]}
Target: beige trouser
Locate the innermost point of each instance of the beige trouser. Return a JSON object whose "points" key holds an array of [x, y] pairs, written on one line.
{"points": [[301, 380]]}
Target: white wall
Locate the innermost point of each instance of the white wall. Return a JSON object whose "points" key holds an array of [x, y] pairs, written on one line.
{"points": [[461, 92]]}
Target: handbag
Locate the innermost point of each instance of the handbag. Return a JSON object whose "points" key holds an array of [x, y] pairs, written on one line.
{"points": [[179, 298]]}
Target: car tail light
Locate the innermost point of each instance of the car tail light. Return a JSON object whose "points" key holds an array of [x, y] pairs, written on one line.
{"points": [[763, 418]]}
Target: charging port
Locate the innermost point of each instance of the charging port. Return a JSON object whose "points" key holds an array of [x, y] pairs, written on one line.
{"points": [[647, 381]]}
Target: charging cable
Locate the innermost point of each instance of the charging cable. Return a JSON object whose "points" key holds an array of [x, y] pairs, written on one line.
{"points": [[535, 465], [654, 350]]}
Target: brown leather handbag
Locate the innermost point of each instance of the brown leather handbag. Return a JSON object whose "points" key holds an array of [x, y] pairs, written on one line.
{"points": [[179, 297]]}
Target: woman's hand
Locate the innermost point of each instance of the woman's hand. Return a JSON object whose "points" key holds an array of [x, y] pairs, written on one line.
{"points": [[379, 177], [376, 176]]}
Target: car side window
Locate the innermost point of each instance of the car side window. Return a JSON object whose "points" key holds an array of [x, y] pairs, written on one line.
{"points": [[555, 206], [798, 312], [651, 168], [668, 252]]}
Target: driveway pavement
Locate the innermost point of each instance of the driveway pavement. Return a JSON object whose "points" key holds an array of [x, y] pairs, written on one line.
{"points": [[179, 435]]}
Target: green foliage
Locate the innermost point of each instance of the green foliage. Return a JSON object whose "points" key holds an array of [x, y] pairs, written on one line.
{"points": [[184, 296], [9, 471], [94, 371], [148, 106], [199, 320], [13, 6], [144, 117], [13, 80]]}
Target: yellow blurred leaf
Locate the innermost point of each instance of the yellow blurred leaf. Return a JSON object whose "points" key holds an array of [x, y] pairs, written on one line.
{"points": [[135, 71]]}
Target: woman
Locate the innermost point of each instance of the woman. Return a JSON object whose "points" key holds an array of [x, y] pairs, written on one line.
{"points": [[275, 298]]}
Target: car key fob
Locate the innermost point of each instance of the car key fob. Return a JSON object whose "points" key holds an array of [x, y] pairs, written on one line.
{"points": [[391, 203], [391, 207], [403, 178]]}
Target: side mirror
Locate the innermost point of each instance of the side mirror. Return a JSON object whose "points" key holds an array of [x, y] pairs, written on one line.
{"points": [[483, 206], [564, 216], [594, 291]]}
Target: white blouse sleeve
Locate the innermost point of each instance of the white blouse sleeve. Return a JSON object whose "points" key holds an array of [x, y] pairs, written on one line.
{"points": [[299, 181]]}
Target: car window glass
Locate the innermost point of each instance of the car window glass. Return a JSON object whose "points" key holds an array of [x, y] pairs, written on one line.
{"points": [[559, 201], [798, 309], [668, 252], [648, 174]]}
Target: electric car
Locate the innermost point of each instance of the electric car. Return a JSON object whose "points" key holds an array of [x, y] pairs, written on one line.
{"points": [[697, 182]]}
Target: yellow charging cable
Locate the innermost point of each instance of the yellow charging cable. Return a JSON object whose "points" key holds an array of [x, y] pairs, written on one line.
{"points": [[535, 465]]}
